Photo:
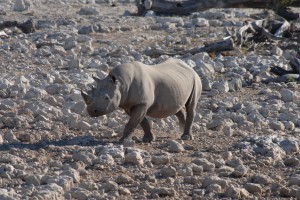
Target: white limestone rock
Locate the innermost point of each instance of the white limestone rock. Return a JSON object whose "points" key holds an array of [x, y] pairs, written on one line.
{"points": [[134, 158], [287, 95], [253, 188], [109, 186], [209, 180], [168, 172], [207, 166], [33, 179], [261, 179], [21, 5], [161, 159], [117, 152], [294, 180], [72, 173], [201, 22], [105, 160], [88, 11], [80, 193], [124, 179], [174, 146], [289, 145], [204, 69], [221, 86]]}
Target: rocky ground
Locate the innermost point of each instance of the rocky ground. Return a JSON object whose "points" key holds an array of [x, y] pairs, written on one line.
{"points": [[246, 142]]}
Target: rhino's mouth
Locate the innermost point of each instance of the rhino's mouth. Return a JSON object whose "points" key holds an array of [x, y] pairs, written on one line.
{"points": [[95, 112]]}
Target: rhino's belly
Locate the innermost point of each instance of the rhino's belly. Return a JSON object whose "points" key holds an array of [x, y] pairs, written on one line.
{"points": [[163, 110]]}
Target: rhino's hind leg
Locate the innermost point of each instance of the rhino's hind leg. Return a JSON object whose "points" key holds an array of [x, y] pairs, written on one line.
{"points": [[190, 114], [148, 135], [188, 124], [181, 118]]}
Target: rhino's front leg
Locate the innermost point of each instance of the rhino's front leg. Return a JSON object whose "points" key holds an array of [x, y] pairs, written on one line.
{"points": [[137, 114]]}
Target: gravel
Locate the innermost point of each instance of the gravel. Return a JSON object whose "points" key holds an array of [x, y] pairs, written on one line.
{"points": [[246, 133]]}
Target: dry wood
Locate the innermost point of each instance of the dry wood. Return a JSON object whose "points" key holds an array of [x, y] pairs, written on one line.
{"points": [[25, 27], [188, 6], [220, 46]]}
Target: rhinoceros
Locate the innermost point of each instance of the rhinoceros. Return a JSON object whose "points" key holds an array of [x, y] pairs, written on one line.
{"points": [[158, 91]]}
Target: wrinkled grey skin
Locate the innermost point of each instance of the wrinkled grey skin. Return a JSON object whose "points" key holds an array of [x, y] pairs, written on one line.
{"points": [[169, 88]]}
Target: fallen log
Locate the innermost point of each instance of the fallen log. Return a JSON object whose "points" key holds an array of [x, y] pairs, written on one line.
{"points": [[219, 46], [285, 75], [25, 27], [284, 78], [273, 28], [189, 6]]}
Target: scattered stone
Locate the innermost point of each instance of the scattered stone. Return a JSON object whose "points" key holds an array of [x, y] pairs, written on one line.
{"points": [[124, 179], [221, 86], [276, 125], [88, 11], [80, 193], [109, 186], [33, 179], [124, 191], [287, 95], [240, 171], [168, 172], [134, 158], [162, 192], [161, 159], [261, 179], [72, 173], [105, 160], [294, 180], [174, 146], [21, 5], [186, 171], [201, 22], [207, 166], [214, 188], [214, 180], [298, 194], [9, 136], [291, 162], [197, 170], [253, 188], [233, 192], [87, 30], [235, 162], [289, 146]]}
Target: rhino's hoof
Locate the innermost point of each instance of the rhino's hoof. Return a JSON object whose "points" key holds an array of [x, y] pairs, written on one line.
{"points": [[187, 137], [148, 139]]}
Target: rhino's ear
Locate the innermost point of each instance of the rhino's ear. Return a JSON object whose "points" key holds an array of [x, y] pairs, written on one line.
{"points": [[86, 97]]}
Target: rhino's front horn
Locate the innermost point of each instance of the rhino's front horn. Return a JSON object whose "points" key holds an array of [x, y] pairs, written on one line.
{"points": [[96, 78], [86, 97]]}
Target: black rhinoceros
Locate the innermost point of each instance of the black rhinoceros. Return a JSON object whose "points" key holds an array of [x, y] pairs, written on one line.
{"points": [[169, 88]]}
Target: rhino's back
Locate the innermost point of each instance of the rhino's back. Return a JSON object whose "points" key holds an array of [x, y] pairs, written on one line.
{"points": [[175, 82], [166, 87]]}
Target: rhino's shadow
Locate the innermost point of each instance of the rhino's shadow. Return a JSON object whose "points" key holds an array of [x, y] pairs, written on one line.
{"points": [[78, 141]]}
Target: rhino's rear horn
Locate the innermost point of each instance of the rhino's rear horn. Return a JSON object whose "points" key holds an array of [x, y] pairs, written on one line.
{"points": [[96, 78], [86, 97]]}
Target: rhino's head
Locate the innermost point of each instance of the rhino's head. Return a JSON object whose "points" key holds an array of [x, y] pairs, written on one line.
{"points": [[104, 98]]}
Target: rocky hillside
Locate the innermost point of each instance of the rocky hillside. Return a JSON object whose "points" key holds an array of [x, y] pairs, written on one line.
{"points": [[246, 132]]}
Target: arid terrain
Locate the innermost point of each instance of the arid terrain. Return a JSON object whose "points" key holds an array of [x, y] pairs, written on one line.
{"points": [[246, 133]]}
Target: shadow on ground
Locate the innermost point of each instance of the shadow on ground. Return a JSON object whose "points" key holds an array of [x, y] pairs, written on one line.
{"points": [[79, 141]]}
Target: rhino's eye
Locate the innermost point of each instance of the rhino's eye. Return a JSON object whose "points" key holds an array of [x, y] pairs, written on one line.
{"points": [[106, 97]]}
